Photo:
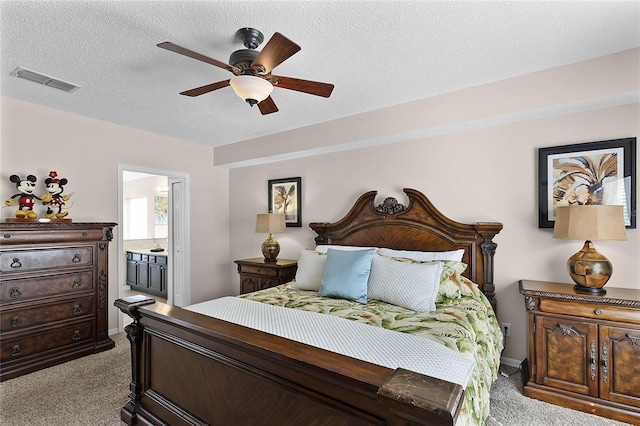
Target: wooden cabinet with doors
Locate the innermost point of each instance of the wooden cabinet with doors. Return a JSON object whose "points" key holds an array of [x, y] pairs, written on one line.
{"points": [[584, 349], [147, 273]]}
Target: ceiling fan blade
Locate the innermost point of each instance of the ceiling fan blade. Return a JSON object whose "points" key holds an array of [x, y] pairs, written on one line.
{"points": [[195, 55], [205, 89], [267, 106], [276, 51], [305, 86]]}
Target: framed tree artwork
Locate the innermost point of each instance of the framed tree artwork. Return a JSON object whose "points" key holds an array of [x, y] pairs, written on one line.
{"points": [[285, 197], [602, 172]]}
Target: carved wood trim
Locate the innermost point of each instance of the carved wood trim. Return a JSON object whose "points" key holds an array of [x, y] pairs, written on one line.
{"points": [[579, 297], [416, 226]]}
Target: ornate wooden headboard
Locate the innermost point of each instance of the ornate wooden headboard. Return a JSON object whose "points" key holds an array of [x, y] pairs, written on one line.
{"points": [[417, 226]]}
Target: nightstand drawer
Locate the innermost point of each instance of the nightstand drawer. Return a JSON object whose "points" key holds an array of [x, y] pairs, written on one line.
{"points": [[258, 270], [585, 310], [33, 260]]}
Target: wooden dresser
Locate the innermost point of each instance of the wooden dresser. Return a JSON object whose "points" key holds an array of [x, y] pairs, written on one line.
{"points": [[256, 274], [584, 349], [53, 293]]}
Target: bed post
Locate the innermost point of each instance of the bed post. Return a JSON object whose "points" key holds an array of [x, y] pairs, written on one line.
{"points": [[129, 305], [488, 230]]}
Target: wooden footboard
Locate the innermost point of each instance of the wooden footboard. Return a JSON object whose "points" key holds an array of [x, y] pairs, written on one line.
{"points": [[190, 369]]}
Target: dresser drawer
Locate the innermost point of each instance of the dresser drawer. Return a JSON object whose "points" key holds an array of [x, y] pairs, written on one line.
{"points": [[44, 286], [34, 260], [19, 319], [259, 270], [22, 347], [586, 310]]}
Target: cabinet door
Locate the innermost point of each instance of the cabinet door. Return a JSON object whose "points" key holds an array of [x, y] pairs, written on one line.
{"points": [[248, 284], [567, 354], [267, 283], [132, 272], [143, 274], [620, 355], [157, 277]]}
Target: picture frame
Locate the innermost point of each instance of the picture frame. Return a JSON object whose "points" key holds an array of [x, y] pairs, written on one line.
{"points": [[160, 210], [602, 172], [285, 197]]}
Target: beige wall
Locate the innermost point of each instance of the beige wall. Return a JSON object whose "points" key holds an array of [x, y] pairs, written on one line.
{"points": [[486, 173], [36, 139]]}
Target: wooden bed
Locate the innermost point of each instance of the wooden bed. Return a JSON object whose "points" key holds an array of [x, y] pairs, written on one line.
{"points": [[188, 368]]}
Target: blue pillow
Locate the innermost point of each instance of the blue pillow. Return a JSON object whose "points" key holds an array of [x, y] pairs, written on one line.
{"points": [[346, 274]]}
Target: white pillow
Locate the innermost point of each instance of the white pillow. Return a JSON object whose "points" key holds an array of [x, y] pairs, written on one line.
{"points": [[324, 247], [423, 256], [310, 268], [409, 285]]}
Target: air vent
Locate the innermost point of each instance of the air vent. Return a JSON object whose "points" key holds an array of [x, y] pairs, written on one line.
{"points": [[40, 78]]}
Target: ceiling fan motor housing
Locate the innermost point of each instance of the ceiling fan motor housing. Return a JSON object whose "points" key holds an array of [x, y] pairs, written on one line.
{"points": [[242, 59]]}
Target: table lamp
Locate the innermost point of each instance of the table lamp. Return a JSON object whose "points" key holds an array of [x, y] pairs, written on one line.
{"points": [[270, 223], [589, 269]]}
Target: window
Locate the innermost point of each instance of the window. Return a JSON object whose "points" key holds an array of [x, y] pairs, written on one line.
{"points": [[136, 215]]}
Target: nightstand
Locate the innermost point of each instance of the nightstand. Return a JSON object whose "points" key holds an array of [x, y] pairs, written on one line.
{"points": [[256, 274], [584, 349]]}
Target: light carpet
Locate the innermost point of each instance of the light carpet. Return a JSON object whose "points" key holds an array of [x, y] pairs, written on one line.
{"points": [[91, 390]]}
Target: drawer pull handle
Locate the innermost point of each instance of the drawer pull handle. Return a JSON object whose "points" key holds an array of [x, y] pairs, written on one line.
{"points": [[592, 359], [16, 322], [76, 284], [598, 312], [15, 264], [76, 258], [16, 351], [634, 340], [77, 310], [76, 336], [605, 363], [15, 292]]}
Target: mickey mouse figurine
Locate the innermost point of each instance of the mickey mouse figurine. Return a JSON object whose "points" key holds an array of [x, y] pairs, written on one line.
{"points": [[53, 198], [27, 198]]}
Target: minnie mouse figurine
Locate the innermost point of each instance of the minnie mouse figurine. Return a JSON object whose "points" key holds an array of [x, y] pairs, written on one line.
{"points": [[27, 198], [53, 198]]}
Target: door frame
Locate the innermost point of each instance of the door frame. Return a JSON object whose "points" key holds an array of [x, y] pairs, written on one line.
{"points": [[181, 223]]}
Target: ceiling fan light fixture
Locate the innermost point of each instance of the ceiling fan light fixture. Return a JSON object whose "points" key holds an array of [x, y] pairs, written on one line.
{"points": [[251, 89]]}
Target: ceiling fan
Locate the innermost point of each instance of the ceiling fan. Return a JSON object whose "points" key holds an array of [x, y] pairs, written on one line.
{"points": [[253, 80]]}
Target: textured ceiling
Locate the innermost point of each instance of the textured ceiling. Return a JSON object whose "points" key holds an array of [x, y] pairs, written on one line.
{"points": [[377, 54]]}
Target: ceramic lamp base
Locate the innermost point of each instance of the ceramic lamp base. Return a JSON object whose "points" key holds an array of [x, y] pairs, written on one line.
{"points": [[270, 249], [589, 269]]}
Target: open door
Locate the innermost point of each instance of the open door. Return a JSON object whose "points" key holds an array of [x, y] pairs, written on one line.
{"points": [[178, 292]]}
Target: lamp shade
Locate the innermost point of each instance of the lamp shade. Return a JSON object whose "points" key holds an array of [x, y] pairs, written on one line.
{"points": [[270, 223], [590, 222], [250, 88]]}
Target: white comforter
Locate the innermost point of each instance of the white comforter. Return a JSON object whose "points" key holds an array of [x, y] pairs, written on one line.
{"points": [[372, 344]]}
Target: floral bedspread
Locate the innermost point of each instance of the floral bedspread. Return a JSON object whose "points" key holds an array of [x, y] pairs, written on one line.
{"points": [[463, 321]]}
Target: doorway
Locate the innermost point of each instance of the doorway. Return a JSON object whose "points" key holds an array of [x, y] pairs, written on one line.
{"points": [[161, 228]]}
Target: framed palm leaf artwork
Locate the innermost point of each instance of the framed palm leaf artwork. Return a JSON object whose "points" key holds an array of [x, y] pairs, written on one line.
{"points": [[602, 172], [285, 197]]}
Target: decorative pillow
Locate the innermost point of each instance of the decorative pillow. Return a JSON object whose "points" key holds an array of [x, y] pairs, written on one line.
{"points": [[346, 274], [452, 284], [310, 268], [423, 256], [324, 247], [411, 285]]}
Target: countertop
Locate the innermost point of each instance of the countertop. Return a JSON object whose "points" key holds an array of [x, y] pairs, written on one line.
{"points": [[148, 251]]}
